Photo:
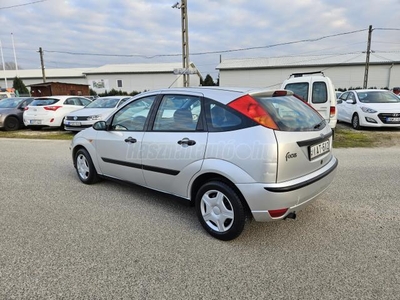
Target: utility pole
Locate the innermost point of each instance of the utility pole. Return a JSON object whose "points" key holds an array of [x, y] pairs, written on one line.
{"points": [[365, 85], [185, 41], [42, 64]]}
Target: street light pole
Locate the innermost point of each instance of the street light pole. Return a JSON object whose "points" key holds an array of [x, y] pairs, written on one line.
{"points": [[185, 41]]}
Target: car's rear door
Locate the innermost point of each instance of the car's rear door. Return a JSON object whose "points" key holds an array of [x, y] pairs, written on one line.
{"points": [[173, 149]]}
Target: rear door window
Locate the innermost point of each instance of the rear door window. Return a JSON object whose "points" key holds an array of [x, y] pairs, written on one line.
{"points": [[300, 89], [319, 92]]}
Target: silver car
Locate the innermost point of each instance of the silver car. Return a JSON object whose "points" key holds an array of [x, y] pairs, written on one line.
{"points": [[233, 153]]}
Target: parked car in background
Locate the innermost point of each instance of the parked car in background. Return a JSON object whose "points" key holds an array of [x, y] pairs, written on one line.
{"points": [[11, 112], [51, 111], [97, 110], [230, 151], [317, 90], [369, 108]]}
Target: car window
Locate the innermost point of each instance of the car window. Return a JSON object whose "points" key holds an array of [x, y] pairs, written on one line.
{"points": [[377, 97], [84, 101], [352, 97], [291, 114], [300, 89], [122, 101], [133, 116], [44, 102], [178, 113], [72, 101], [319, 92], [222, 118]]}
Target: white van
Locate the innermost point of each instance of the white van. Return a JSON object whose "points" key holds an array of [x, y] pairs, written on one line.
{"points": [[317, 90]]}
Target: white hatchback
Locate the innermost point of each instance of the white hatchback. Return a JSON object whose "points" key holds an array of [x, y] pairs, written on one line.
{"points": [[231, 152], [50, 111], [369, 108]]}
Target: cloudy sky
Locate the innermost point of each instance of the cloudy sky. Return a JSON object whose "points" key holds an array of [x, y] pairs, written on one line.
{"points": [[92, 33]]}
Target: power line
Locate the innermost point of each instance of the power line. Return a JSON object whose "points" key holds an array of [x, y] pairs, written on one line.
{"points": [[19, 5], [208, 52]]}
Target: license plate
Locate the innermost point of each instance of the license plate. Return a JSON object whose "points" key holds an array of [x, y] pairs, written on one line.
{"points": [[36, 122], [389, 119], [319, 149], [74, 123]]}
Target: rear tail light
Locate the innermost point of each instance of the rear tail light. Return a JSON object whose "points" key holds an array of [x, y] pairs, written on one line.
{"points": [[332, 112], [53, 108], [26, 108], [248, 106], [276, 213]]}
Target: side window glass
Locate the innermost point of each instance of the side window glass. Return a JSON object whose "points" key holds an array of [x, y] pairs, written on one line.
{"points": [[178, 113], [133, 116], [343, 97], [84, 102], [221, 119], [122, 101], [319, 92], [300, 89]]}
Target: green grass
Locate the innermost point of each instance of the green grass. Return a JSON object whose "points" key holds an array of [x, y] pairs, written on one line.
{"points": [[42, 134], [347, 138]]}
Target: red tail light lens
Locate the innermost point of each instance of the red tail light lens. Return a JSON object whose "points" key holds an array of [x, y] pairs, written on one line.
{"points": [[248, 106], [53, 108], [26, 108], [332, 111], [276, 213]]}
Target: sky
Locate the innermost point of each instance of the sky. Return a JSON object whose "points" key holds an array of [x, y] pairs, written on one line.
{"points": [[89, 33]]}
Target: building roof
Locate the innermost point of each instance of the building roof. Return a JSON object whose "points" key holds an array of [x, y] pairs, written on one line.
{"points": [[52, 83], [135, 68], [304, 61]]}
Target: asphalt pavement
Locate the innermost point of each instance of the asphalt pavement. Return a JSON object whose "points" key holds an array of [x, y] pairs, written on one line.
{"points": [[61, 239]]}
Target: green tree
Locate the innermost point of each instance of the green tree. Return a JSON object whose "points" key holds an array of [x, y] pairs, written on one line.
{"points": [[19, 86], [208, 81]]}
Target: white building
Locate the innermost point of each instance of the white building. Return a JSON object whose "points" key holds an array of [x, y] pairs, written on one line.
{"points": [[346, 71], [124, 77]]}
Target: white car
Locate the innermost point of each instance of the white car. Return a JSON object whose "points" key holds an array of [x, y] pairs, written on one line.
{"points": [[232, 152], [50, 111], [99, 109], [369, 108]]}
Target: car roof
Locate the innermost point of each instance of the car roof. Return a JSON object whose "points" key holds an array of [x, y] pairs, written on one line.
{"points": [[221, 94], [63, 97]]}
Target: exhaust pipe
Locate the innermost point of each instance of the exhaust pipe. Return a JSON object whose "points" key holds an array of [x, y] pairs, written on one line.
{"points": [[291, 215]]}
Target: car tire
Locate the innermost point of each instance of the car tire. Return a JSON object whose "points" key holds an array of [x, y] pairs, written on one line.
{"points": [[11, 123], [220, 210], [84, 167], [355, 122]]}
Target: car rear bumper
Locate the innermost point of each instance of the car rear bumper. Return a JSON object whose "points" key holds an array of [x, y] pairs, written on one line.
{"points": [[293, 195]]}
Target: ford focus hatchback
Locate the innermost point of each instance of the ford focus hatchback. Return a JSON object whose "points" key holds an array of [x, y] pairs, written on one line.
{"points": [[233, 153]]}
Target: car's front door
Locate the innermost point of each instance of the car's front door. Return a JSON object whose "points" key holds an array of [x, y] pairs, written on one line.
{"points": [[118, 149], [173, 150]]}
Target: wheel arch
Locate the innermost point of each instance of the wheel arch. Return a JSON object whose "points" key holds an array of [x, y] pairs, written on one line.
{"points": [[208, 177]]}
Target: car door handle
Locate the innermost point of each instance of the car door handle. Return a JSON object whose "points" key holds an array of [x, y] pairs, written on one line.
{"points": [[130, 140], [187, 142]]}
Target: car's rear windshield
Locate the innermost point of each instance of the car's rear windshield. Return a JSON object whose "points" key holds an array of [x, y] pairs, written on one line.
{"points": [[292, 114], [103, 103], [43, 102]]}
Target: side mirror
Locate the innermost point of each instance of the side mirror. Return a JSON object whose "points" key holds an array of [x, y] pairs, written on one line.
{"points": [[350, 101], [100, 125]]}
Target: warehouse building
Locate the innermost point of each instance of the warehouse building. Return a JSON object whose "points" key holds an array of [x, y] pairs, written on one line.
{"points": [[346, 71], [121, 77]]}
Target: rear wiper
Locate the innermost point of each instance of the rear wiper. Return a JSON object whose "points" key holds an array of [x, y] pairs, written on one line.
{"points": [[319, 124]]}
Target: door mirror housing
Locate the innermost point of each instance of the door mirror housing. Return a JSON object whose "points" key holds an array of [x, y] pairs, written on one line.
{"points": [[100, 126]]}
